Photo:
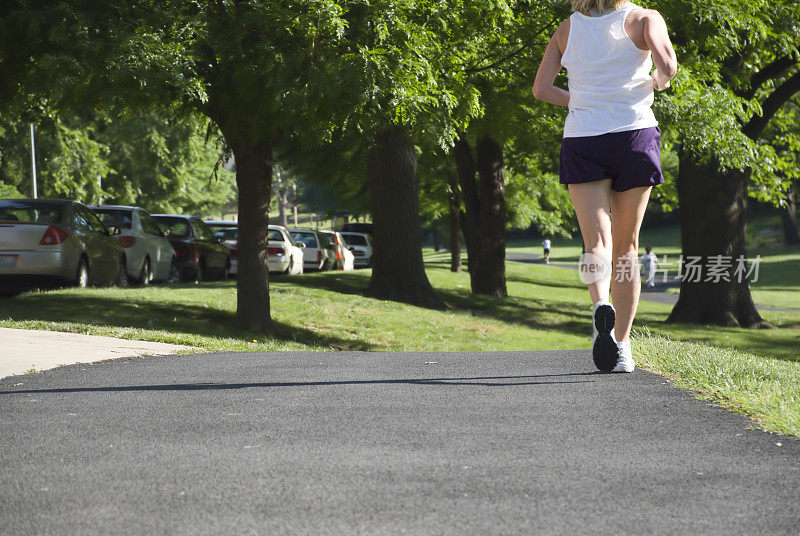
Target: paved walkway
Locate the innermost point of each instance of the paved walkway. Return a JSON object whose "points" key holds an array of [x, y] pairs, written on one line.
{"points": [[377, 443], [24, 349]]}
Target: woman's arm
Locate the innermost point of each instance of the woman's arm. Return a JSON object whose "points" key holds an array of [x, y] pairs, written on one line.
{"points": [[657, 39], [543, 88]]}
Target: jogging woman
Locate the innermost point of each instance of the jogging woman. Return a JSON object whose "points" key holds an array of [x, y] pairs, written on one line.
{"points": [[610, 154]]}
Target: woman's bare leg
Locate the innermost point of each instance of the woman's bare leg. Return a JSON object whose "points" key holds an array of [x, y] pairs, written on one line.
{"points": [[592, 202], [627, 212]]}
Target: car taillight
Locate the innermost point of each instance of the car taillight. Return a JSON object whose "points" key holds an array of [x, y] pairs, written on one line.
{"points": [[183, 249], [126, 241], [52, 236], [275, 251], [319, 255], [235, 253]]}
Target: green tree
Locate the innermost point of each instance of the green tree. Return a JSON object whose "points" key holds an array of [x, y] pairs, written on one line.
{"points": [[247, 66], [739, 67], [69, 159], [512, 135], [147, 160]]}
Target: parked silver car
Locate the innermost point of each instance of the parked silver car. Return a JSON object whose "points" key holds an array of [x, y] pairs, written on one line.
{"points": [[150, 255], [361, 246], [47, 242]]}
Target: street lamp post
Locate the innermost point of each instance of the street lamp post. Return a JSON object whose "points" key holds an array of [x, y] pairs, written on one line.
{"points": [[33, 163], [294, 199]]}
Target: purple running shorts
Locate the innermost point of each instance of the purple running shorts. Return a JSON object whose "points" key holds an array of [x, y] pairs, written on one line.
{"points": [[631, 159]]}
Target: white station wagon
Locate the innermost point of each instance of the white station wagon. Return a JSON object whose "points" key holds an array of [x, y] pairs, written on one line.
{"points": [[150, 255]]}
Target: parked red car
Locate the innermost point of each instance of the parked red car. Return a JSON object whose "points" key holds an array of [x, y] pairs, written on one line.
{"points": [[201, 255]]}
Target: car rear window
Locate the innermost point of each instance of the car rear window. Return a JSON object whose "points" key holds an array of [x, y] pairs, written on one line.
{"points": [[121, 219], [354, 240], [179, 227], [30, 211], [228, 233], [309, 239], [276, 235]]}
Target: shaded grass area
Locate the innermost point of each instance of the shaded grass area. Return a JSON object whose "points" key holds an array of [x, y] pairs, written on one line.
{"points": [[778, 275], [316, 311], [547, 308]]}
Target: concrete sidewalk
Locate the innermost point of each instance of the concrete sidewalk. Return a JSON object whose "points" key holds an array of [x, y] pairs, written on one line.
{"points": [[24, 349]]}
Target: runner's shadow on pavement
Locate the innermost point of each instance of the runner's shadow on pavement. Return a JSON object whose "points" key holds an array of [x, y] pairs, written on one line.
{"points": [[481, 381]]}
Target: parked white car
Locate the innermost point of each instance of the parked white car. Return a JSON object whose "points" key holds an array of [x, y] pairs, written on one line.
{"points": [[149, 254], [316, 254], [285, 255], [361, 246]]}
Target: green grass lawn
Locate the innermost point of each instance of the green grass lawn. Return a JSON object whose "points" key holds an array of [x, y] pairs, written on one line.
{"points": [[547, 308], [778, 282]]}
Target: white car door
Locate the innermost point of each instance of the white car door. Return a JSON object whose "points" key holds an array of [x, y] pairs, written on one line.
{"points": [[160, 247]]}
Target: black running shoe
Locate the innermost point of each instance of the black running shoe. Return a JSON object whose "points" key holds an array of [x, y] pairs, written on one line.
{"points": [[604, 349]]}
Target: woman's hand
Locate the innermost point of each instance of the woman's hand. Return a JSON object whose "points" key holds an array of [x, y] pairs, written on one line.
{"points": [[660, 82]]}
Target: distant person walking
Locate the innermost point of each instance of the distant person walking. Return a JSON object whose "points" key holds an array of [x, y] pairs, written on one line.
{"points": [[649, 262], [610, 154], [546, 247]]}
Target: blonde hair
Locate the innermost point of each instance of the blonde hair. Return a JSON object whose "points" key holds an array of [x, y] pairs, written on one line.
{"points": [[599, 5]]}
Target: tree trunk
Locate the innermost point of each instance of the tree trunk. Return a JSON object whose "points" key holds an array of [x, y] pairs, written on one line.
{"points": [[254, 181], [791, 237], [454, 196], [713, 223], [484, 221], [282, 193], [398, 272]]}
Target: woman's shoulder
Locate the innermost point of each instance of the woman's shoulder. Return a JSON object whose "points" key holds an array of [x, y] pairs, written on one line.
{"points": [[641, 14], [562, 34]]}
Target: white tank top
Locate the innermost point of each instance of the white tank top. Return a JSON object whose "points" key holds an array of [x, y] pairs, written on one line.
{"points": [[610, 88]]}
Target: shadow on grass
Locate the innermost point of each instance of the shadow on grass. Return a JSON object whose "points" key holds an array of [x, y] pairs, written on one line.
{"points": [[523, 311], [770, 343], [488, 381], [173, 318]]}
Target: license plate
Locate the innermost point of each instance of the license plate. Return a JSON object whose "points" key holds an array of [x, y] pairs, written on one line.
{"points": [[8, 261]]}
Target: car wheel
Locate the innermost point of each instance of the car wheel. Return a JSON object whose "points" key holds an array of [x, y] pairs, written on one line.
{"points": [[226, 272], [82, 274], [146, 277], [122, 273], [174, 272], [289, 268]]}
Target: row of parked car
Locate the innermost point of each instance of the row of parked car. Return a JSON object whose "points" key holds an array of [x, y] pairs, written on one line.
{"points": [[47, 242]]}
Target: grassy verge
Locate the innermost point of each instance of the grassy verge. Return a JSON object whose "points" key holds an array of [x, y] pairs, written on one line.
{"points": [[547, 308], [767, 390]]}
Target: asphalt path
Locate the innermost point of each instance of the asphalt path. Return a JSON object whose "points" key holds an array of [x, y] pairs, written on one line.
{"points": [[381, 443]]}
